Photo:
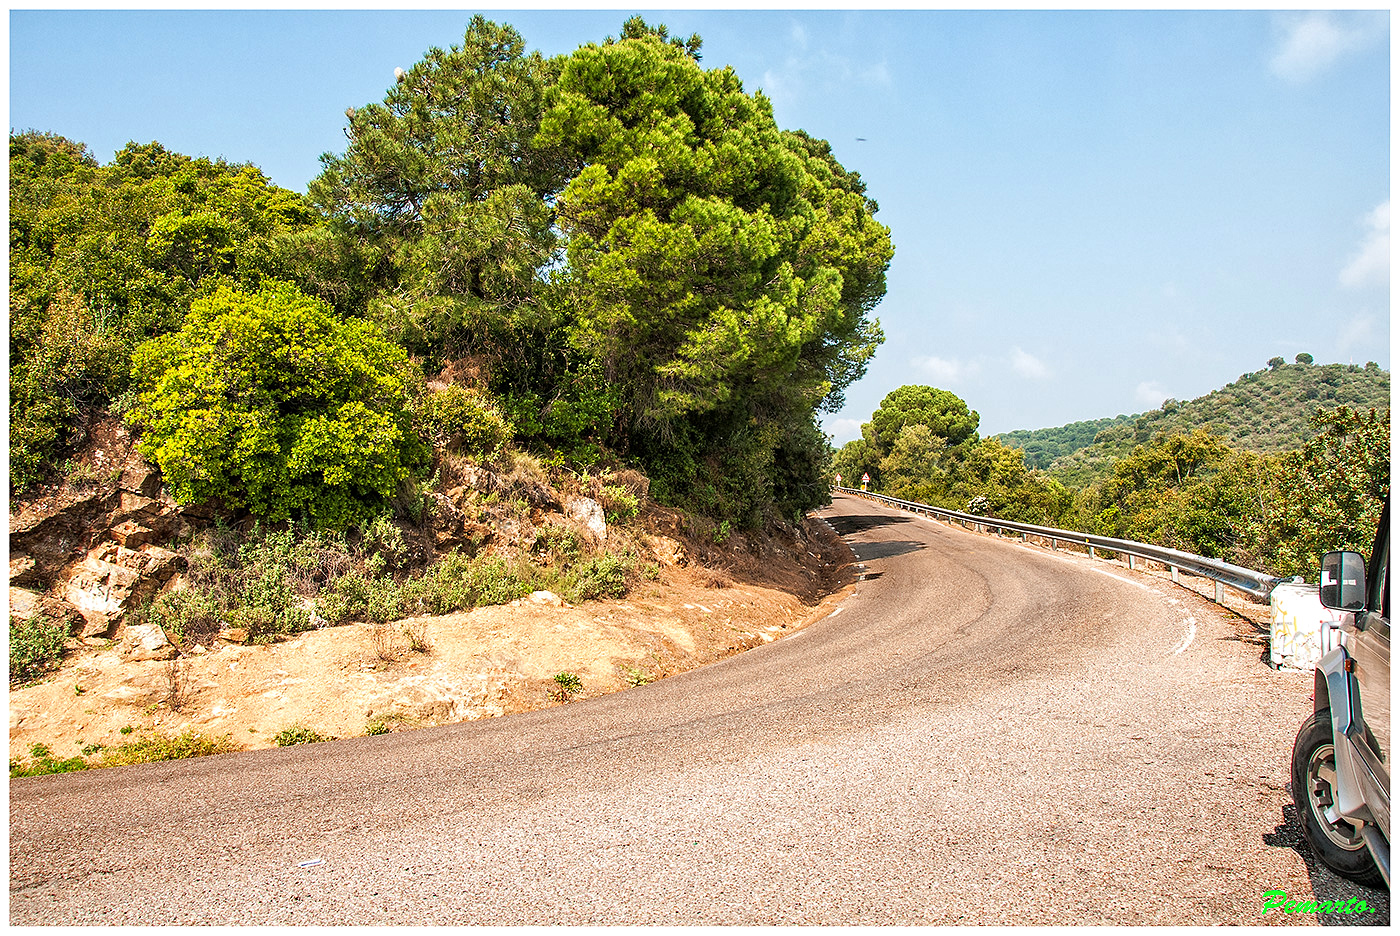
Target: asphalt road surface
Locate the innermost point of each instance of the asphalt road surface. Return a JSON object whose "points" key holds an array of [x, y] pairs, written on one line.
{"points": [[983, 733]]}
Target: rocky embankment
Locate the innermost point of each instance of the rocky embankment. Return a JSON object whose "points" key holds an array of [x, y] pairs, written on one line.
{"points": [[87, 556], [92, 555]]}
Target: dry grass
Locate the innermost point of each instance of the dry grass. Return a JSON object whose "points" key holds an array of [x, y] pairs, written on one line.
{"points": [[177, 690], [417, 633], [383, 643], [714, 578]]}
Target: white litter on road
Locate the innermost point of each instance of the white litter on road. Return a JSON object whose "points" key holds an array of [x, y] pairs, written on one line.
{"points": [[1190, 636]]}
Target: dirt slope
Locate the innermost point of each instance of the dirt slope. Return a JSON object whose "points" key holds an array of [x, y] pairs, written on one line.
{"points": [[486, 662]]}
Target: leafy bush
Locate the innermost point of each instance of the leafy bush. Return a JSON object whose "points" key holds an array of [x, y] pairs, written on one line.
{"points": [[557, 545], [159, 747], [187, 615], [43, 762], [417, 634], [156, 747], [1276, 513], [272, 402], [460, 420], [566, 686], [1329, 493], [298, 734], [382, 538], [36, 647], [602, 576], [103, 257], [457, 583], [636, 677], [270, 582], [619, 504], [355, 596]]}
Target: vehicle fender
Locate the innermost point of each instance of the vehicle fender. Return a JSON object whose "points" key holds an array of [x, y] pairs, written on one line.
{"points": [[1335, 690], [1332, 690]]}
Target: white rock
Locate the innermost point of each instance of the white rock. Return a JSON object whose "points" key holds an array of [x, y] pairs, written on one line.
{"points": [[146, 642], [590, 513]]}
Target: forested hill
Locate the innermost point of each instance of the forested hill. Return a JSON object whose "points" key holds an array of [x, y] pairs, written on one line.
{"points": [[1043, 446], [1264, 411]]}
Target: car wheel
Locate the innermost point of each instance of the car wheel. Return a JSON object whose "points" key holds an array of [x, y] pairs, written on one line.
{"points": [[1337, 842]]}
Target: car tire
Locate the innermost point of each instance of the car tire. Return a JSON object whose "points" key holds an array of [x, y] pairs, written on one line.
{"points": [[1338, 844]]}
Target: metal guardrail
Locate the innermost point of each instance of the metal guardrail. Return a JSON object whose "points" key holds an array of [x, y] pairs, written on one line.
{"points": [[1256, 585]]}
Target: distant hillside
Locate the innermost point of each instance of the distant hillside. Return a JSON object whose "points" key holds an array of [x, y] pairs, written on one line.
{"points": [[1266, 411], [1043, 446]]}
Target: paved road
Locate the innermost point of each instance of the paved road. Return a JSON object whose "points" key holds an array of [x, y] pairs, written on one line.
{"points": [[983, 733]]}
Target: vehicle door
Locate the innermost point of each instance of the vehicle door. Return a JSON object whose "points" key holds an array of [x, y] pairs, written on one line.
{"points": [[1369, 644]]}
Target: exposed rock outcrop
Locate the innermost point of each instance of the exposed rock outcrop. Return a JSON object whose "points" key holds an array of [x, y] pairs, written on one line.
{"points": [[589, 512], [88, 559]]}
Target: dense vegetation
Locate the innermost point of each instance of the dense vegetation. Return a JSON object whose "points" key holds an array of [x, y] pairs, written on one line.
{"points": [[922, 444], [1269, 410], [1043, 446], [104, 257], [1164, 478], [611, 257], [269, 401]]}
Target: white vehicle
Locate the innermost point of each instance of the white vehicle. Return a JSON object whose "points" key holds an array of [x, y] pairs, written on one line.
{"points": [[1341, 758]]}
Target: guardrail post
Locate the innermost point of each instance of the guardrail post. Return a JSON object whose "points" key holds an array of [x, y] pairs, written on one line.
{"points": [[1132, 561], [1176, 575], [1091, 554], [1219, 593], [1054, 543], [1023, 537]]}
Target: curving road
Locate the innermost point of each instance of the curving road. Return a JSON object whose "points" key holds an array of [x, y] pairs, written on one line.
{"points": [[982, 733]]}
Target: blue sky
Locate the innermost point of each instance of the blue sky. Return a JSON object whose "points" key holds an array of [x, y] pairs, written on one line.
{"points": [[1091, 211]]}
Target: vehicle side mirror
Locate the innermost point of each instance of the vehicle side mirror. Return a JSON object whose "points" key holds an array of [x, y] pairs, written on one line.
{"points": [[1343, 581]]}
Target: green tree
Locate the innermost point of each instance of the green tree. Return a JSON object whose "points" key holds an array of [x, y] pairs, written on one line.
{"points": [[1147, 497], [444, 185], [1328, 494], [714, 261], [914, 469], [444, 198], [857, 458], [943, 414], [625, 248], [269, 401], [104, 257], [996, 476], [946, 415]]}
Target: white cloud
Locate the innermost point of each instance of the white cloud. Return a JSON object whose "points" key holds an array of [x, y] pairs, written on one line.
{"points": [[842, 430], [1149, 393], [1028, 365], [1311, 42], [944, 371], [877, 75], [780, 87], [806, 70], [1371, 265], [1357, 332], [1171, 338]]}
